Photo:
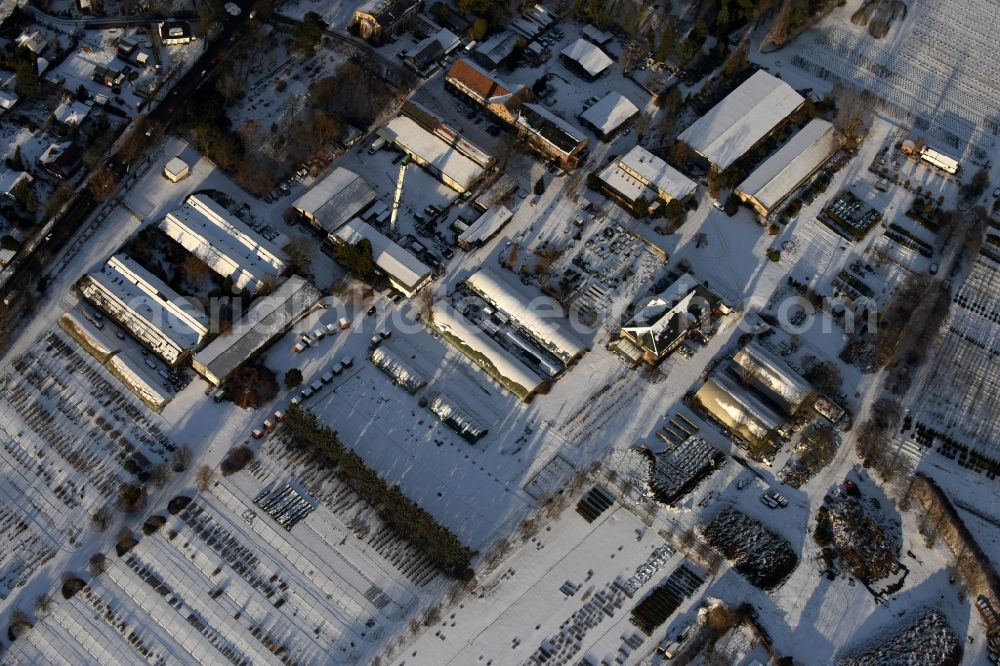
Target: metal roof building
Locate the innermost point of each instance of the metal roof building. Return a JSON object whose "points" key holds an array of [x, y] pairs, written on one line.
{"points": [[406, 273], [640, 173], [136, 376], [540, 316], [224, 242], [599, 37], [472, 341], [737, 123], [486, 227], [785, 170], [588, 58], [772, 374], [268, 317], [155, 314], [736, 409], [432, 152], [335, 199], [495, 50], [608, 114]]}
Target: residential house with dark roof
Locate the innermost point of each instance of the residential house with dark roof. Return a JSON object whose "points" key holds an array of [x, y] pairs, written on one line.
{"points": [[551, 136]]}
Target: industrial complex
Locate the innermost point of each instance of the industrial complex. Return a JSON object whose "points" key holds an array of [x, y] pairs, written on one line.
{"points": [[463, 333]]}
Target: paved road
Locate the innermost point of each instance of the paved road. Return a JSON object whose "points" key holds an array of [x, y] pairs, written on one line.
{"points": [[22, 275]]}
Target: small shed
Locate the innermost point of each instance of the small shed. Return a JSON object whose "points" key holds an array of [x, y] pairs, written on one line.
{"points": [[176, 170]]}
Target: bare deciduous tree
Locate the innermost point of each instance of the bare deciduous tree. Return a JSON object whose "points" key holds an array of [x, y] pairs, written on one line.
{"points": [[204, 478]]}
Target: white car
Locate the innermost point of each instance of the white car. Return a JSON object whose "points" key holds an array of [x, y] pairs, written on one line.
{"points": [[718, 205]]}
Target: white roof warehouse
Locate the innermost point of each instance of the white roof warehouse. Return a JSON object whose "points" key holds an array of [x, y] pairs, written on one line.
{"points": [[430, 151], [268, 317], [737, 123], [785, 170], [405, 272], [225, 243], [335, 199], [154, 313], [540, 316]]}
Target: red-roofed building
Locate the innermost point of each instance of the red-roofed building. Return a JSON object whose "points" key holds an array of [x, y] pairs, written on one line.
{"points": [[472, 82]]}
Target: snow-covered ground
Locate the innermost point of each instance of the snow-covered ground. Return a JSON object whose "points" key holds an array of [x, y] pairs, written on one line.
{"points": [[351, 589]]}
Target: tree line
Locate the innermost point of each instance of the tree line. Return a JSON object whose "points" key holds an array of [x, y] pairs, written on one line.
{"points": [[401, 513]]}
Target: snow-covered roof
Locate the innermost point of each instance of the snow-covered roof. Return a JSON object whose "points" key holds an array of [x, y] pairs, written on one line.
{"points": [[72, 112], [540, 315], [9, 179], [554, 130], [432, 48], [223, 241], [610, 112], [940, 160], [144, 304], [784, 170], [599, 37], [525, 27], [661, 320], [399, 368], [7, 99], [336, 199], [774, 375], [498, 47], [450, 321], [588, 55], [743, 118], [736, 408], [267, 318], [488, 224], [639, 169], [431, 149], [139, 378], [393, 260], [33, 41], [175, 165]]}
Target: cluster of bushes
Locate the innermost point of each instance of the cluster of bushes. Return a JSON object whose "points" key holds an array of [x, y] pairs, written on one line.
{"points": [[400, 512]]}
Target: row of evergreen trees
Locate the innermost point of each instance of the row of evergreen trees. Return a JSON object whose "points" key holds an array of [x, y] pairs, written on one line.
{"points": [[396, 509]]}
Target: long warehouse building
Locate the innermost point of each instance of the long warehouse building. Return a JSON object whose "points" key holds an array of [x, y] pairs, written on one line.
{"points": [[780, 380], [737, 409], [740, 121], [406, 273], [540, 316], [335, 199], [160, 318], [433, 153], [480, 348], [224, 242], [781, 173], [268, 318]]}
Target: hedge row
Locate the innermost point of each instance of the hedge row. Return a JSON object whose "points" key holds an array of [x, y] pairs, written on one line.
{"points": [[401, 513]]}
